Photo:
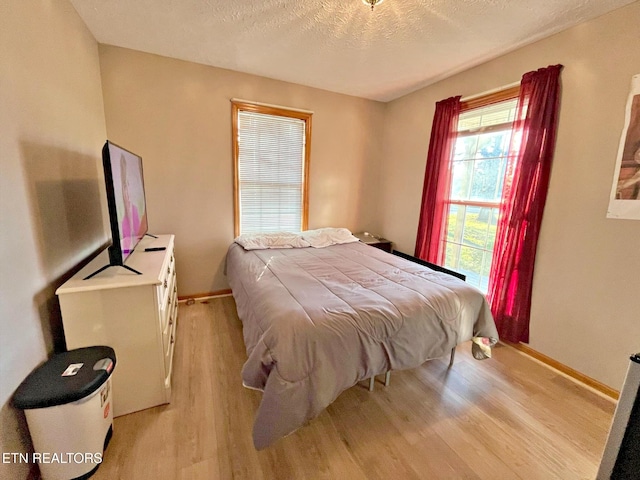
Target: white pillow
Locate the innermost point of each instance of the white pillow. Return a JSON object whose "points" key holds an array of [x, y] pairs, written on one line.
{"points": [[257, 241], [324, 237]]}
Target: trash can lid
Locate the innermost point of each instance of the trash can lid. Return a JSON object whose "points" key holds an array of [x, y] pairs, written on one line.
{"points": [[66, 377]]}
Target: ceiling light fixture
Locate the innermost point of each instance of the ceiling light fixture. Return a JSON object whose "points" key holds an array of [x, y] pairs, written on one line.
{"points": [[373, 3]]}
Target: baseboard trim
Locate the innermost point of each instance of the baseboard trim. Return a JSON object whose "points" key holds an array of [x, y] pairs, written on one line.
{"points": [[561, 367], [202, 296]]}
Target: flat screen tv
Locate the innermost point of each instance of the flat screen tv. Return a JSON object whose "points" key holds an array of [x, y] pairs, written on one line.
{"points": [[126, 202]]}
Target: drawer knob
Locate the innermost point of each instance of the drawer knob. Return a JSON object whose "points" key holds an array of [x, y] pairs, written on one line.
{"points": [[173, 340], [165, 283]]}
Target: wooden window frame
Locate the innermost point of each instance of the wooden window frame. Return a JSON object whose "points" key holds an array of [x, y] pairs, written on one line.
{"points": [[241, 105], [495, 97]]}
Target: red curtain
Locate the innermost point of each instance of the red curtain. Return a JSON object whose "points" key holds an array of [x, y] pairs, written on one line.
{"points": [[523, 200], [437, 179]]}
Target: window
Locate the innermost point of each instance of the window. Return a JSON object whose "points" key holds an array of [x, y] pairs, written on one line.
{"points": [[478, 168], [271, 148]]}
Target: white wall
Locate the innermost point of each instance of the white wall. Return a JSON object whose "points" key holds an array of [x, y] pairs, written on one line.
{"points": [[586, 305], [51, 188]]}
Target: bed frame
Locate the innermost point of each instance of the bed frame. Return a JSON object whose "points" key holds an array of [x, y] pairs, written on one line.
{"points": [[432, 266]]}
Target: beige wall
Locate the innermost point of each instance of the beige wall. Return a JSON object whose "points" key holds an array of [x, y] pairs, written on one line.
{"points": [[586, 303], [52, 124], [177, 116]]}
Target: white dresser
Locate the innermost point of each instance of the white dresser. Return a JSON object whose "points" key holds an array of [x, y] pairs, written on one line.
{"points": [[134, 314]]}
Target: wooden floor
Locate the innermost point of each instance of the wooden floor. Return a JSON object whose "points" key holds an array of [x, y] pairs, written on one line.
{"points": [[503, 418]]}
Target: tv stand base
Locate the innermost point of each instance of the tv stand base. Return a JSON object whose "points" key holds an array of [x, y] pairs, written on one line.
{"points": [[109, 265]]}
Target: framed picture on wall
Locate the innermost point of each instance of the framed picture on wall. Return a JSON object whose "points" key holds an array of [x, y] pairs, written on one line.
{"points": [[624, 201]]}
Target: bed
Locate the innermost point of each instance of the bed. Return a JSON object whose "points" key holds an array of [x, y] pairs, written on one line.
{"points": [[318, 320]]}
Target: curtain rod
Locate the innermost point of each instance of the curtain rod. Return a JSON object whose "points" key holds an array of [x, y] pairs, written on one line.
{"points": [[489, 92], [271, 105]]}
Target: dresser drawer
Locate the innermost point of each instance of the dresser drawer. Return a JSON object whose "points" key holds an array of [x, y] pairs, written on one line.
{"points": [[170, 342], [170, 301], [167, 280], [169, 330], [168, 365]]}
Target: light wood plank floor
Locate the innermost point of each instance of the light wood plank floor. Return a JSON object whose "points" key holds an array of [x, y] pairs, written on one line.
{"points": [[504, 418]]}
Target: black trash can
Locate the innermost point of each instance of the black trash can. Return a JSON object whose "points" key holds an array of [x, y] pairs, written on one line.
{"points": [[67, 402]]}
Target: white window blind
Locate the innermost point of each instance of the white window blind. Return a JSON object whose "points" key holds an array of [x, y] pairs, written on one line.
{"points": [[270, 172]]}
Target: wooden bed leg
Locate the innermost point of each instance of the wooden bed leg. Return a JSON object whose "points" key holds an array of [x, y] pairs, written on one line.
{"points": [[387, 378], [371, 383], [453, 355]]}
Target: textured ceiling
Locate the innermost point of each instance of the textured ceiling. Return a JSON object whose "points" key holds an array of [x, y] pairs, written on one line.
{"points": [[336, 45]]}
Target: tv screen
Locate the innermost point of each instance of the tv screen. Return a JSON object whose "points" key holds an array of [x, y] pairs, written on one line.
{"points": [[126, 200]]}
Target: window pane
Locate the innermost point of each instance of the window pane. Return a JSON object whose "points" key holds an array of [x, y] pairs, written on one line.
{"points": [[465, 147], [452, 222], [487, 180], [451, 255], [461, 179], [486, 265], [493, 224], [475, 227], [492, 145], [471, 264]]}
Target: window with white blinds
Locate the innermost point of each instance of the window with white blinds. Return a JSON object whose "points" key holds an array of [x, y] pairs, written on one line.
{"points": [[271, 157]]}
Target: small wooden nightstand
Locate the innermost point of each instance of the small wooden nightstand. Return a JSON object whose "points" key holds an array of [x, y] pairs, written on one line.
{"points": [[375, 241]]}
